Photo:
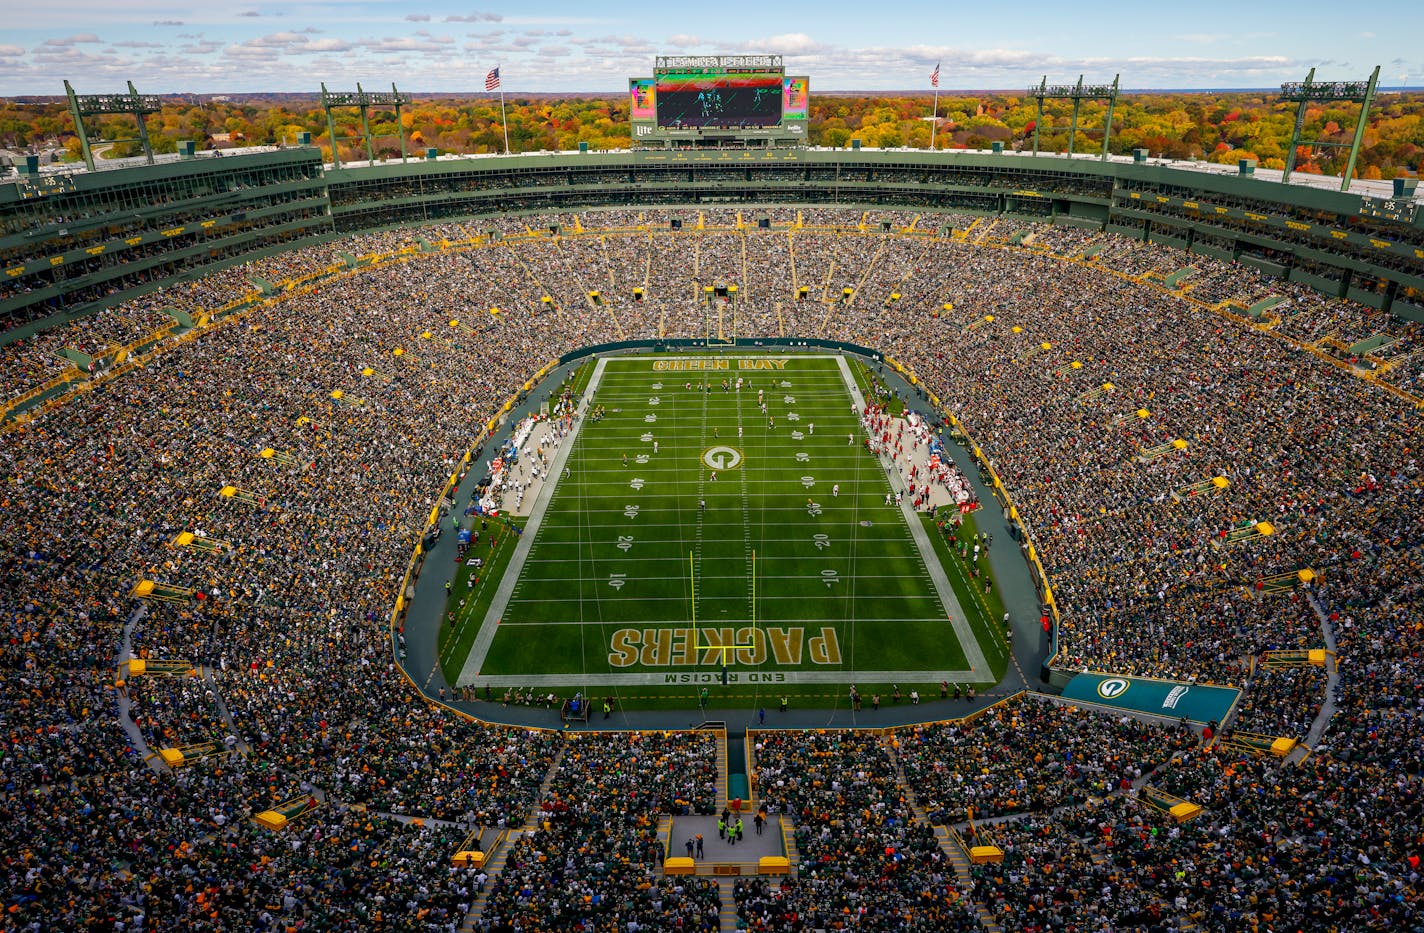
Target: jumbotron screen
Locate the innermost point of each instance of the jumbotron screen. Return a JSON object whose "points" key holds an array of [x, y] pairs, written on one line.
{"points": [[745, 99]]}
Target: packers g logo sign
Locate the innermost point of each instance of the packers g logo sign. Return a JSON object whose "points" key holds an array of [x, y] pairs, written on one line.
{"points": [[722, 457], [1112, 688]]}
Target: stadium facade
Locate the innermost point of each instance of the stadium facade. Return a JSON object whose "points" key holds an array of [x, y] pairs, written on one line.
{"points": [[73, 244]]}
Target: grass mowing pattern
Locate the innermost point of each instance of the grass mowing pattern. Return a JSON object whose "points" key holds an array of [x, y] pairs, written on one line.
{"points": [[841, 585]]}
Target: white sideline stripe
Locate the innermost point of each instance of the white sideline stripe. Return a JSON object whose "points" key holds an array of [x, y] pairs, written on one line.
{"points": [[973, 653], [793, 597], [673, 677], [515, 571], [716, 576], [730, 559], [720, 623]]}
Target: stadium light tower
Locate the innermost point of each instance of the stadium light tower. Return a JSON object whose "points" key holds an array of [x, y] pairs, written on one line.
{"points": [[1077, 93], [133, 103], [1309, 92], [362, 101]]}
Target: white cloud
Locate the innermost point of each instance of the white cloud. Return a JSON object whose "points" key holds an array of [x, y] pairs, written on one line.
{"points": [[427, 44], [77, 39], [475, 17], [417, 17], [327, 45], [792, 43]]}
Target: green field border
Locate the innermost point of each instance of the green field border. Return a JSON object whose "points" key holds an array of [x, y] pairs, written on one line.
{"points": [[458, 632], [868, 383]]}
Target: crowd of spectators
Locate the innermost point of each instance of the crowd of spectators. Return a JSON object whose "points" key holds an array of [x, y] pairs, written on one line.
{"points": [[594, 860], [1282, 701], [1026, 756], [1147, 574], [866, 862]]}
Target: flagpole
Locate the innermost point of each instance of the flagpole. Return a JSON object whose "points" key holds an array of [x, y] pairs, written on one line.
{"points": [[934, 118], [502, 120]]}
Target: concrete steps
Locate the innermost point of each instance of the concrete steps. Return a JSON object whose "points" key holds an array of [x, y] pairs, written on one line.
{"points": [[496, 862], [727, 921], [665, 835], [952, 847], [959, 859], [722, 799], [788, 843]]}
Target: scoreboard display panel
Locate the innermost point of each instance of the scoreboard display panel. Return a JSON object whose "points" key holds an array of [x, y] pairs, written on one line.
{"points": [[734, 99]]}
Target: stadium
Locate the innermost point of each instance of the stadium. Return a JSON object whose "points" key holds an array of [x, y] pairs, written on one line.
{"points": [[722, 534]]}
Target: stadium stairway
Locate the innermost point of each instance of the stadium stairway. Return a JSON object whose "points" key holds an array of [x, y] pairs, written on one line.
{"points": [[722, 783], [242, 748], [726, 891], [125, 705], [950, 844], [665, 834], [788, 843], [496, 863]]}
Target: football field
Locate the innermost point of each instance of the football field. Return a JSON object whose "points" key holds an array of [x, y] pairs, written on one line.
{"points": [[697, 526]]}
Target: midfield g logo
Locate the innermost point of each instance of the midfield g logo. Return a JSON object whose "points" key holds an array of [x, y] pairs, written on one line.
{"points": [[722, 457]]}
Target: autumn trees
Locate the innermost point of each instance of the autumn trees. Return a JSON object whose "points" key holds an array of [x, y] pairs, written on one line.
{"points": [[1217, 127]]}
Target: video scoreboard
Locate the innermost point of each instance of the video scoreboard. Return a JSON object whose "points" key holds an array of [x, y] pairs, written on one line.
{"points": [[695, 101]]}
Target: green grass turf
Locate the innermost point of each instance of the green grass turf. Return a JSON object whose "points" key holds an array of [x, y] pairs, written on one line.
{"points": [[873, 388], [595, 569]]}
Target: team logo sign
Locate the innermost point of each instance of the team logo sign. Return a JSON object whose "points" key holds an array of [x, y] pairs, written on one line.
{"points": [[722, 457], [1112, 688]]}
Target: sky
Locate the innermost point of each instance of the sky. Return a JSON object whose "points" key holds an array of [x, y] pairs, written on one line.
{"points": [[170, 46]]}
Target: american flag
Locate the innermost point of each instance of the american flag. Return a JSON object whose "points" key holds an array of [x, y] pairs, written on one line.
{"points": [[492, 79], [934, 76]]}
